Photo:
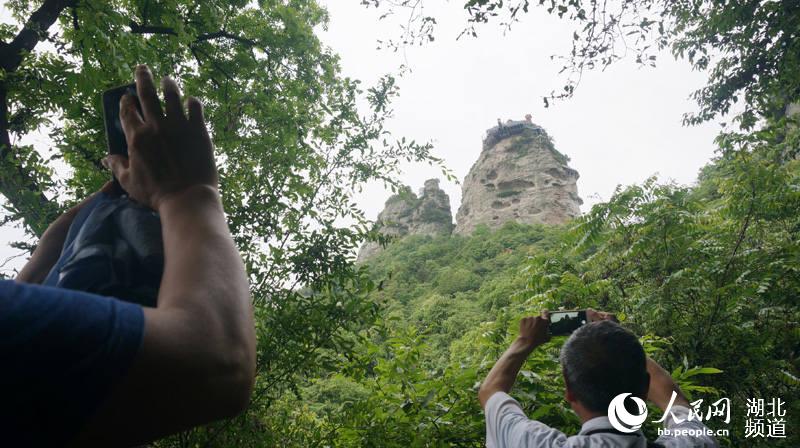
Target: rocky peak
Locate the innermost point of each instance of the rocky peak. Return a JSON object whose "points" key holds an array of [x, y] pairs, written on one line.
{"points": [[408, 214], [519, 176]]}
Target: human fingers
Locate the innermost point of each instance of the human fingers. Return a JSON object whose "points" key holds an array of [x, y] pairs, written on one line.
{"points": [[146, 90], [118, 164], [172, 98], [129, 116], [195, 108], [593, 315], [543, 326]]}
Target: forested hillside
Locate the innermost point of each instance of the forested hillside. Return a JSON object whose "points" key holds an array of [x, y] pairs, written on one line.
{"points": [[706, 275], [390, 353]]}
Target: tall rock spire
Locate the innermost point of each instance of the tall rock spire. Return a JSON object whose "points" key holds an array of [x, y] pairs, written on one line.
{"points": [[409, 214], [519, 176]]}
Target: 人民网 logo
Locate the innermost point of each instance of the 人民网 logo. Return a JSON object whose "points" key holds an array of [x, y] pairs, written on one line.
{"points": [[621, 419]]}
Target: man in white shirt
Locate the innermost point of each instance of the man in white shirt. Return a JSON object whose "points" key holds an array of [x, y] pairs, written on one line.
{"points": [[599, 361]]}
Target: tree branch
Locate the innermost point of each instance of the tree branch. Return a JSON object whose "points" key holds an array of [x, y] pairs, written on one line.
{"points": [[75, 24], [22, 191], [226, 35], [30, 35], [20, 188], [138, 28]]}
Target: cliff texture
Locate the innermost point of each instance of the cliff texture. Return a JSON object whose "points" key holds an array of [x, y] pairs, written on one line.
{"points": [[519, 176], [409, 214]]}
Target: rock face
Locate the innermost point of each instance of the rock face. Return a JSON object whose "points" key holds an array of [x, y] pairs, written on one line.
{"points": [[409, 214], [519, 176]]}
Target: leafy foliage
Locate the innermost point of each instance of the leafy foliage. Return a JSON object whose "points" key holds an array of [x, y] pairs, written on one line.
{"points": [[750, 47], [391, 354], [707, 275], [292, 145]]}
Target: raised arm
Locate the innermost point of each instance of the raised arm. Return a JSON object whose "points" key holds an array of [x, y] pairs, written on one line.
{"points": [[661, 387], [197, 360], [533, 332], [685, 430]]}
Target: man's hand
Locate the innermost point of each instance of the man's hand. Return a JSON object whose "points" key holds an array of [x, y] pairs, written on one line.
{"points": [[534, 330], [197, 359], [595, 316], [167, 152]]}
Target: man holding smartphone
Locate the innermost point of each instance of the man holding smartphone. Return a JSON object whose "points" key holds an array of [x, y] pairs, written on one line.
{"points": [[599, 361], [80, 369]]}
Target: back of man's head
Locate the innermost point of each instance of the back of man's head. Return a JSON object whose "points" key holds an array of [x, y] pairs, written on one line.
{"points": [[602, 360]]}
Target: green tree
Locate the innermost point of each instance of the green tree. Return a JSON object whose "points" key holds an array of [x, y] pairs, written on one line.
{"points": [[292, 147], [711, 269], [707, 274], [749, 47]]}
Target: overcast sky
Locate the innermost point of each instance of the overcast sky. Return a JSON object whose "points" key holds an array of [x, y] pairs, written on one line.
{"points": [[622, 126]]}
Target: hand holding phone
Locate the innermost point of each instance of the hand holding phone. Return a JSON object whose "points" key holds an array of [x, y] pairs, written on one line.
{"points": [[170, 150], [533, 329], [115, 135]]}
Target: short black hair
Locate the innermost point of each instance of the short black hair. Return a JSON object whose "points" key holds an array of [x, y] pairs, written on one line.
{"points": [[602, 360]]}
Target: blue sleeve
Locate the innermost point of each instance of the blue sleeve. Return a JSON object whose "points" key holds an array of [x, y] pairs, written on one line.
{"points": [[60, 353]]}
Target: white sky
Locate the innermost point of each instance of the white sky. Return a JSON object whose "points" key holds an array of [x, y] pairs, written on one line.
{"points": [[622, 126]]}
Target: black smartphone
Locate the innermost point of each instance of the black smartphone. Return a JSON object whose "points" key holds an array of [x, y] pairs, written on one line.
{"points": [[565, 322], [114, 133]]}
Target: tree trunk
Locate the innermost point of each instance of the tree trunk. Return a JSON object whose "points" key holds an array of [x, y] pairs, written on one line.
{"points": [[24, 194]]}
